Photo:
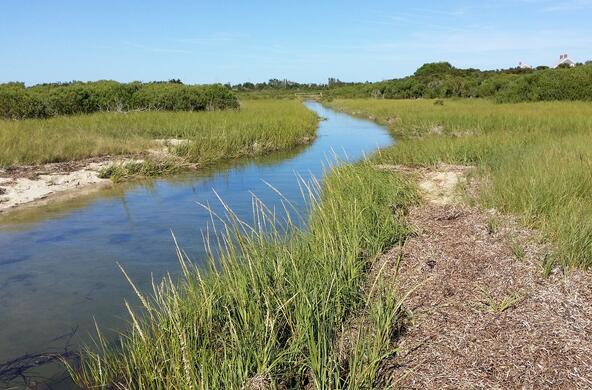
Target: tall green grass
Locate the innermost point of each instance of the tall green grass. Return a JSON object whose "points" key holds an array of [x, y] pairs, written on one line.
{"points": [[273, 306], [536, 157], [259, 127]]}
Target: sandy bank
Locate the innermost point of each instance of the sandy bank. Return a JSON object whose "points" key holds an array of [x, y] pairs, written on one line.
{"points": [[38, 184], [32, 184]]}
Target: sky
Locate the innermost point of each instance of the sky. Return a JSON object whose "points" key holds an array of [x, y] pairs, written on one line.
{"points": [[305, 41]]}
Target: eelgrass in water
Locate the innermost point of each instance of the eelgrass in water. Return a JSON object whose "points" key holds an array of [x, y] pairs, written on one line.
{"points": [[269, 310]]}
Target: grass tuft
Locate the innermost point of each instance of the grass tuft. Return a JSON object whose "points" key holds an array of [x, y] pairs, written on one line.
{"points": [[493, 225], [137, 169], [547, 265], [517, 250], [273, 301]]}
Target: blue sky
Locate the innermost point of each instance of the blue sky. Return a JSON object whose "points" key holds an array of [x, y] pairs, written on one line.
{"points": [[306, 41]]}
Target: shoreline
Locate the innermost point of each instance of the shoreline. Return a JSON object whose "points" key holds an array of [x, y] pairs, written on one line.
{"points": [[31, 186]]}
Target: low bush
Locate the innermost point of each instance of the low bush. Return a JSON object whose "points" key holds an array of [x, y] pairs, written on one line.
{"points": [[47, 100]]}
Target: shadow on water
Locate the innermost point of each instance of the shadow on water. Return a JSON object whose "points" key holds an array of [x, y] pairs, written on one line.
{"points": [[58, 262]]}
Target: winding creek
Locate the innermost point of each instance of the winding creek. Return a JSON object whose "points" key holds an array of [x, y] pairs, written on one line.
{"points": [[58, 263]]}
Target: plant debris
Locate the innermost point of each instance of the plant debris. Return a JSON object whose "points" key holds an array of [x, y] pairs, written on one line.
{"points": [[482, 317]]}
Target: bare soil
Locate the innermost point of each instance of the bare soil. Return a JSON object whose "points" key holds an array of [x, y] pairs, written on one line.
{"points": [[483, 315]]}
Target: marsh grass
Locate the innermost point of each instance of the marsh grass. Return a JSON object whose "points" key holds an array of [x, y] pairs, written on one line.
{"points": [[135, 169], [493, 225], [517, 250], [536, 158], [258, 128], [274, 299], [498, 306]]}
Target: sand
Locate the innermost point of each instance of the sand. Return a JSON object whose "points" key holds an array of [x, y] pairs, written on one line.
{"points": [[29, 185], [37, 184]]}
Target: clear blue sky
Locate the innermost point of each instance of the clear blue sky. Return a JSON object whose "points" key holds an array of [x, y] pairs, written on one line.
{"points": [[306, 41]]}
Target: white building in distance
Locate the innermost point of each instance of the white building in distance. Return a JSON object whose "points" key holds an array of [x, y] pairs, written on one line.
{"points": [[565, 60]]}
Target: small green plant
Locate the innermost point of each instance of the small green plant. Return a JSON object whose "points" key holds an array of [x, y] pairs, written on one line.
{"points": [[517, 249], [498, 306], [547, 265], [493, 225]]}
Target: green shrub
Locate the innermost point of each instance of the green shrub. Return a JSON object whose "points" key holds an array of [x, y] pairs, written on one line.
{"points": [[549, 85], [441, 80], [46, 100]]}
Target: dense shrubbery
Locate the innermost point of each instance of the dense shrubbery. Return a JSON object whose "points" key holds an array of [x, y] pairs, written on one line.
{"points": [[46, 100], [550, 84], [441, 80]]}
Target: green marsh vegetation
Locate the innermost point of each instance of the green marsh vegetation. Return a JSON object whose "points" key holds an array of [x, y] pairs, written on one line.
{"points": [[273, 305], [535, 158], [257, 128]]}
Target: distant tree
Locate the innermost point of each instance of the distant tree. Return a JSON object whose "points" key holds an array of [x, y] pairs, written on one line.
{"points": [[332, 82], [434, 68], [13, 84]]}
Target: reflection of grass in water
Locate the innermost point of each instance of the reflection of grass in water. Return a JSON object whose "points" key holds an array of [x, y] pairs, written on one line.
{"points": [[536, 157], [21, 218], [272, 306]]}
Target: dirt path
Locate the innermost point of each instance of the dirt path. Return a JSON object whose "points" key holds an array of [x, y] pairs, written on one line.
{"points": [[483, 314]]}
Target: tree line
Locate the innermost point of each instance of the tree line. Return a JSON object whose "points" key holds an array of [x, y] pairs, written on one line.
{"points": [[442, 80]]}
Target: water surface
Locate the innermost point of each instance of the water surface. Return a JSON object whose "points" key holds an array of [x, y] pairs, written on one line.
{"points": [[58, 263]]}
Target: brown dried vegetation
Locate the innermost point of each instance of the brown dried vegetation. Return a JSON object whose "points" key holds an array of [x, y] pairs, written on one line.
{"points": [[483, 316]]}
